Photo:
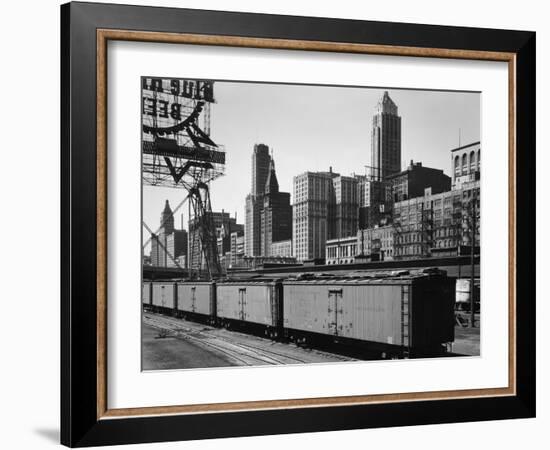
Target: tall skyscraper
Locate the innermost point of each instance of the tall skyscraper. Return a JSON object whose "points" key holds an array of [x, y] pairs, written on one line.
{"points": [[260, 168], [276, 214], [254, 201], [326, 206], [166, 219], [176, 245], [346, 207], [169, 244], [386, 139], [251, 226], [312, 214]]}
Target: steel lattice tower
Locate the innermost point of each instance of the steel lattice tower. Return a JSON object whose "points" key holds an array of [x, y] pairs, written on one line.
{"points": [[177, 152]]}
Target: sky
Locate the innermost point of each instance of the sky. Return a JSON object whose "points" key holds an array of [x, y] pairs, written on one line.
{"points": [[310, 128]]}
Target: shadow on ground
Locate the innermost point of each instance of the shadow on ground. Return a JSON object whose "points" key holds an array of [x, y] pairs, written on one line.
{"points": [[50, 434]]}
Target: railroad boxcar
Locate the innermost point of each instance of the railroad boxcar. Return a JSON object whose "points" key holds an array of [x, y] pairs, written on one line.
{"points": [[164, 296], [146, 294], [196, 300], [408, 315], [253, 305]]}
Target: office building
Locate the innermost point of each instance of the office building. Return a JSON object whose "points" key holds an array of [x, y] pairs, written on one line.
{"points": [[386, 139], [237, 250], [443, 224], [176, 245], [412, 182], [276, 214], [376, 243], [261, 160], [222, 224], [466, 163], [312, 214], [346, 206], [282, 248], [169, 244], [341, 251]]}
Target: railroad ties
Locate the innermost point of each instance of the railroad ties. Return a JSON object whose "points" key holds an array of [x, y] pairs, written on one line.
{"points": [[237, 346]]}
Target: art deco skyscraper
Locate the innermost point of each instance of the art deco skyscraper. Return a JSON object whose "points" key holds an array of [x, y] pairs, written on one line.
{"points": [[254, 201], [386, 139], [169, 244], [167, 219], [260, 168], [276, 214]]}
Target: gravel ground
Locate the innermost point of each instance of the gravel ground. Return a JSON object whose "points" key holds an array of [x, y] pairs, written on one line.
{"points": [[169, 343], [466, 341], [171, 353], [188, 345]]}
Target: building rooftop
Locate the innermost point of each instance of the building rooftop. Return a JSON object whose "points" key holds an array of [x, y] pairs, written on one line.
{"points": [[411, 167], [466, 146], [346, 239], [271, 184], [386, 105]]}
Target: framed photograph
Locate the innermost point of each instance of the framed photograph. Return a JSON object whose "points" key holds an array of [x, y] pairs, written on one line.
{"points": [[277, 224]]}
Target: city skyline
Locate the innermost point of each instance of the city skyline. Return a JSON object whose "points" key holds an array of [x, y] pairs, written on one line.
{"points": [[304, 137]]}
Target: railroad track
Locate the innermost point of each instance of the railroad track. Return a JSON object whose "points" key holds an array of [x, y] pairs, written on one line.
{"points": [[241, 353], [317, 352]]}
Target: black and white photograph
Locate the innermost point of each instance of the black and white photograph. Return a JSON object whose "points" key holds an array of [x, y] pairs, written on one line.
{"points": [[301, 224], [266, 225]]}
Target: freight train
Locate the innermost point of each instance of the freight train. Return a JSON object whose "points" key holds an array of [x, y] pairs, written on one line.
{"points": [[392, 315]]}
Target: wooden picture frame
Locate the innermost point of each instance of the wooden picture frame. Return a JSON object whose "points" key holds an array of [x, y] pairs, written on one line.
{"points": [[85, 416]]}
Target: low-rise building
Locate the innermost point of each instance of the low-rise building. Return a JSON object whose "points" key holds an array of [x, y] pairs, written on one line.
{"points": [[376, 243], [257, 262], [437, 224], [341, 251], [282, 248]]}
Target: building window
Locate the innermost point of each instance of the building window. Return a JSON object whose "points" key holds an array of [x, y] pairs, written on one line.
{"points": [[478, 160]]}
